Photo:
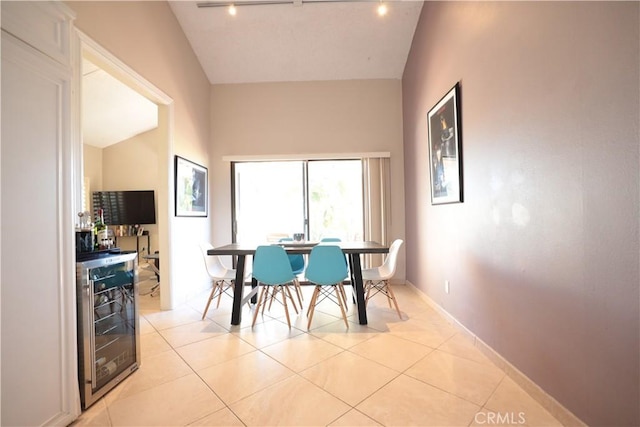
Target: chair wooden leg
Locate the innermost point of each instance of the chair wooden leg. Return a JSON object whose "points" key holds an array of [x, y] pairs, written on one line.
{"points": [[386, 292], [344, 295], [341, 303], [220, 292], [211, 296], [367, 287], [312, 305], [270, 290], [286, 309], [288, 291], [255, 314], [274, 291], [393, 297], [298, 288]]}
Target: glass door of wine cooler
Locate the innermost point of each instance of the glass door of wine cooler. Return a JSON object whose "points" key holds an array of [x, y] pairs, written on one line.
{"points": [[108, 323]]}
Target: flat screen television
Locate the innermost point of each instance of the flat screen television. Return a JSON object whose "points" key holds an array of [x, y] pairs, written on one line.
{"points": [[126, 207]]}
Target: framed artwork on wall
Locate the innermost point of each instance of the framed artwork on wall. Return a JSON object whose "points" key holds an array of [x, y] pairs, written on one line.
{"points": [[190, 188], [445, 149]]}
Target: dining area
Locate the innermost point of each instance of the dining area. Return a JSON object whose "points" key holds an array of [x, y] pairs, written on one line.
{"points": [[206, 371], [277, 271]]}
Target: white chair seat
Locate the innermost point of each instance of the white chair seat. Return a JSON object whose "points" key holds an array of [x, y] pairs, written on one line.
{"points": [[373, 274]]}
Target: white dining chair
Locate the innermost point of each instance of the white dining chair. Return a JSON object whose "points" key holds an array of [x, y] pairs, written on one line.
{"points": [[377, 280], [223, 278]]}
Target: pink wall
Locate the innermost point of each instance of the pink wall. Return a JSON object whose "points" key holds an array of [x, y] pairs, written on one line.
{"points": [[543, 255]]}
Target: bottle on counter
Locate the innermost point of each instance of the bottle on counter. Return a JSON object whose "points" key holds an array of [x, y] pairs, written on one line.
{"points": [[99, 229]]}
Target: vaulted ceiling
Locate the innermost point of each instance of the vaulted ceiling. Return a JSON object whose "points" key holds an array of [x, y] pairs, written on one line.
{"points": [[330, 40], [300, 41], [111, 111]]}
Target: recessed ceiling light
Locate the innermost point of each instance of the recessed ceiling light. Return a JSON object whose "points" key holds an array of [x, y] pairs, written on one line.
{"points": [[382, 9], [232, 10]]}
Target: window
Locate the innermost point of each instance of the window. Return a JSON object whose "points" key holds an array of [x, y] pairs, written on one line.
{"points": [[335, 200], [275, 199]]}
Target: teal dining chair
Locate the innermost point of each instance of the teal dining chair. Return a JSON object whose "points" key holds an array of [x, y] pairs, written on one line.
{"points": [[327, 270], [272, 270], [297, 266], [346, 261]]}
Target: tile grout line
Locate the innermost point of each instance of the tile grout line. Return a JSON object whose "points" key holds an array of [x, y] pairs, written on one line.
{"points": [[311, 333]]}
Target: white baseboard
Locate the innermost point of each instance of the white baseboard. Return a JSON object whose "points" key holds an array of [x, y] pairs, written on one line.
{"points": [[554, 407]]}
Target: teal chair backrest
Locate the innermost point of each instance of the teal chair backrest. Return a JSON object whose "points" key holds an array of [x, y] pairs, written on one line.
{"points": [[271, 265], [326, 265], [296, 260], [333, 240]]}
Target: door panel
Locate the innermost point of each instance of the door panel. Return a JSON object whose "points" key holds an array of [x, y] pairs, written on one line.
{"points": [[39, 374]]}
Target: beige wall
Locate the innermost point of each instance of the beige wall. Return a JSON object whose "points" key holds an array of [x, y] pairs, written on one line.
{"points": [[146, 36], [128, 165], [133, 165], [543, 254], [304, 118], [92, 163]]}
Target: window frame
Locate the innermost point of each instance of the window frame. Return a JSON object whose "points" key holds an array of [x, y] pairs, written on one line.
{"points": [[305, 189]]}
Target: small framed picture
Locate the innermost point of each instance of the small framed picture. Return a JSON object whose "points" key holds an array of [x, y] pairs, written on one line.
{"points": [[190, 188], [445, 149]]}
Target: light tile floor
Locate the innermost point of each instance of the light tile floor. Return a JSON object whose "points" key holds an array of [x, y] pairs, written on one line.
{"points": [[417, 371]]}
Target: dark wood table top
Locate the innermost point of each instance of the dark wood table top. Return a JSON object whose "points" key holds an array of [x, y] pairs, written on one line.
{"points": [[301, 248]]}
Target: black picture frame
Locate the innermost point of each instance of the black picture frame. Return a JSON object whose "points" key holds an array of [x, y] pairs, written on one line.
{"points": [[445, 149], [191, 193]]}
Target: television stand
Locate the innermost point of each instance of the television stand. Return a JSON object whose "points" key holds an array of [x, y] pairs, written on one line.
{"points": [[145, 234], [153, 264]]}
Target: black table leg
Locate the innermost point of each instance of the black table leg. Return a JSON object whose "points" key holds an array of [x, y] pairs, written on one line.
{"points": [[254, 284], [236, 313], [356, 270], [352, 279]]}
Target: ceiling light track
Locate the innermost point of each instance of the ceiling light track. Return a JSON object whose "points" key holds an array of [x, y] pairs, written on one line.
{"points": [[274, 2]]}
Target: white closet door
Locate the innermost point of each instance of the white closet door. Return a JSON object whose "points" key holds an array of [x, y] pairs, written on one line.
{"points": [[37, 305]]}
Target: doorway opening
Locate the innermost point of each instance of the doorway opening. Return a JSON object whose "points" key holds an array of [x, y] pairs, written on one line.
{"points": [[140, 160]]}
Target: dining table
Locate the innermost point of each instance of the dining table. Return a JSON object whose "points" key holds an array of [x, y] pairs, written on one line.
{"points": [[353, 251]]}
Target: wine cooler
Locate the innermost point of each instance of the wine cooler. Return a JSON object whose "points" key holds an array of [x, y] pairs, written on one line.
{"points": [[108, 322]]}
